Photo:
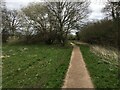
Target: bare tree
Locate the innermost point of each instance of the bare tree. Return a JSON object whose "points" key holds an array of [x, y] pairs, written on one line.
{"points": [[112, 9], [56, 19], [26, 27], [37, 12], [14, 21], [10, 21], [67, 16], [5, 22]]}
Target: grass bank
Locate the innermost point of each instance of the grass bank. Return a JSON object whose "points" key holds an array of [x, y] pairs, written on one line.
{"points": [[34, 66], [103, 74]]}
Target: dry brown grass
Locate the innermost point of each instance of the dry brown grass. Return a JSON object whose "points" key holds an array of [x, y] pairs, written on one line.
{"points": [[108, 54]]}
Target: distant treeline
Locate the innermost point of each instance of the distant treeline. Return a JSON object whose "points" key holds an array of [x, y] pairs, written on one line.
{"points": [[48, 22], [105, 32]]}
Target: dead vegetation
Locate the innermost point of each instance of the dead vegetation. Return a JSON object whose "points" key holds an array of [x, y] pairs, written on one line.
{"points": [[109, 55]]}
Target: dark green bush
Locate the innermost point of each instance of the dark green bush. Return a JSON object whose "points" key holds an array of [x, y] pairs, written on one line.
{"points": [[102, 32]]}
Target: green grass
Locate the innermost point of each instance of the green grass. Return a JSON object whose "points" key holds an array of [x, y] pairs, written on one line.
{"points": [[104, 75], [34, 66]]}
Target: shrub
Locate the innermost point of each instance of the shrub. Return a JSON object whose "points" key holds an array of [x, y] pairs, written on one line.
{"points": [[102, 32]]}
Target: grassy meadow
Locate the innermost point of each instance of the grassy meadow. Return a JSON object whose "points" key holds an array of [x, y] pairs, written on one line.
{"points": [[103, 74], [34, 66]]}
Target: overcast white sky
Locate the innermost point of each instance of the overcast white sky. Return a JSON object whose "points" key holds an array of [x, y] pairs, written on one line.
{"points": [[95, 6]]}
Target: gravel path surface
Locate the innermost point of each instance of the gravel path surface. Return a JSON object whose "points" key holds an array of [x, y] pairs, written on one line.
{"points": [[77, 75]]}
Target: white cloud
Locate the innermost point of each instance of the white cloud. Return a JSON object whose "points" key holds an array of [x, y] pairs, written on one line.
{"points": [[95, 6], [17, 4], [96, 16], [22, 1]]}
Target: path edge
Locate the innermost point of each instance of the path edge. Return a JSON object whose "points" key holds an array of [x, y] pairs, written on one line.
{"points": [[66, 75]]}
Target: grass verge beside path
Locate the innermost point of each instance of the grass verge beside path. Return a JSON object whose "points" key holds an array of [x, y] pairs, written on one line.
{"points": [[34, 66], [104, 75]]}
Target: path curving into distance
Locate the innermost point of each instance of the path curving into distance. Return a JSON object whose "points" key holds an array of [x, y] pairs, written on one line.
{"points": [[77, 75]]}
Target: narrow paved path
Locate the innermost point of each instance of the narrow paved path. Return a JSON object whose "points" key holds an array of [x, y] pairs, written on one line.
{"points": [[77, 75]]}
